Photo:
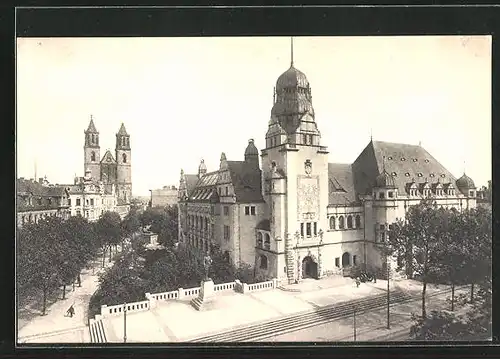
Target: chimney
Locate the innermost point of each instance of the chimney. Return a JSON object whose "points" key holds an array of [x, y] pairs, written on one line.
{"points": [[40, 180]]}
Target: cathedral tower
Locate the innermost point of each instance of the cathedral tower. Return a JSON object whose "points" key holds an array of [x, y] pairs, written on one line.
{"points": [[91, 151], [123, 167]]}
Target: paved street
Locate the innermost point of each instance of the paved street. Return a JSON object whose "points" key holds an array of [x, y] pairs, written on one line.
{"points": [[55, 327], [371, 326]]}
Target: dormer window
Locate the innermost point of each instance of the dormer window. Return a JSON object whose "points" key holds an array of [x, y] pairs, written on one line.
{"points": [[419, 174], [431, 175], [389, 158], [415, 160], [443, 175], [394, 173], [407, 174], [426, 161], [403, 159]]}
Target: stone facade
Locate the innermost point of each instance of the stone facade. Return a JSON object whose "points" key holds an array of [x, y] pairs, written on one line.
{"points": [[38, 200], [311, 218], [166, 196]]}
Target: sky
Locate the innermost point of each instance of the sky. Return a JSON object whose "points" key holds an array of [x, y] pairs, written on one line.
{"points": [[187, 99]]}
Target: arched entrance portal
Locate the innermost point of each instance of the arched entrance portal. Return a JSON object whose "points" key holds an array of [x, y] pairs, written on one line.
{"points": [[346, 259], [309, 268]]}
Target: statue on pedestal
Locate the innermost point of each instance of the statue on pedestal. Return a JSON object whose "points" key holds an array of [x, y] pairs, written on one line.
{"points": [[207, 262]]}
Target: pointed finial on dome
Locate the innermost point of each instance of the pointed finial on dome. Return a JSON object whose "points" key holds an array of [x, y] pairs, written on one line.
{"points": [[223, 156], [291, 52], [371, 134]]}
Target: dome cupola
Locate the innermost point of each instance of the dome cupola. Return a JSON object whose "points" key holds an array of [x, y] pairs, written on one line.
{"points": [[251, 150], [385, 180], [252, 154], [465, 182]]}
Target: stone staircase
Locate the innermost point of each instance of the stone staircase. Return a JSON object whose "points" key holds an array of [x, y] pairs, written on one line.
{"points": [[302, 320]]}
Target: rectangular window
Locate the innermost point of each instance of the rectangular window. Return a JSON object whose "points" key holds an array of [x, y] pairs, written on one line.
{"points": [[69, 202], [390, 226], [310, 139], [381, 195], [354, 260], [382, 227], [304, 139], [78, 213], [247, 210], [471, 193], [302, 229], [315, 228], [226, 233], [337, 262], [227, 191], [226, 211], [91, 201], [390, 194], [78, 201], [252, 210], [382, 236], [308, 229]]}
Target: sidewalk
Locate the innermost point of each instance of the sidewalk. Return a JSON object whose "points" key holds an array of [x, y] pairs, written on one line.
{"points": [[55, 319]]}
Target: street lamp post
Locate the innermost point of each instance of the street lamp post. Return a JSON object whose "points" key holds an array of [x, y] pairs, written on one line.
{"points": [[388, 295], [125, 322], [354, 322]]}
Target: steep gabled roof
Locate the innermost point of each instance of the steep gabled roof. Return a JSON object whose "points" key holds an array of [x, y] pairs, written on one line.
{"points": [[246, 180], [108, 155], [191, 181], [404, 162], [340, 184]]}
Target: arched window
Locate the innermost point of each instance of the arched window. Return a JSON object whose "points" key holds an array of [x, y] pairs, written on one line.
{"points": [[92, 156], [124, 157], [267, 241], [332, 222], [259, 239], [349, 221], [263, 262], [358, 221], [341, 222]]}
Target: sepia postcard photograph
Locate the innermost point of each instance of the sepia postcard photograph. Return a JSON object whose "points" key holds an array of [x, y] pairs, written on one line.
{"points": [[259, 189]]}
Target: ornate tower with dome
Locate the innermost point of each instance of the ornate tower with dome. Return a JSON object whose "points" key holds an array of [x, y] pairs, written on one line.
{"points": [[300, 216]]}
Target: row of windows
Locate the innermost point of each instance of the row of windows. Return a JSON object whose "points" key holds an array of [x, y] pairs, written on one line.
{"points": [[227, 234], [307, 139], [28, 218], [310, 227], [198, 222], [78, 202], [249, 210], [342, 224], [94, 139], [263, 241], [346, 260], [404, 159], [125, 141]]}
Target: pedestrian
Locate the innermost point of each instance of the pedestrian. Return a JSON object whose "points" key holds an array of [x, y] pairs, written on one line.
{"points": [[71, 311], [357, 282]]}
